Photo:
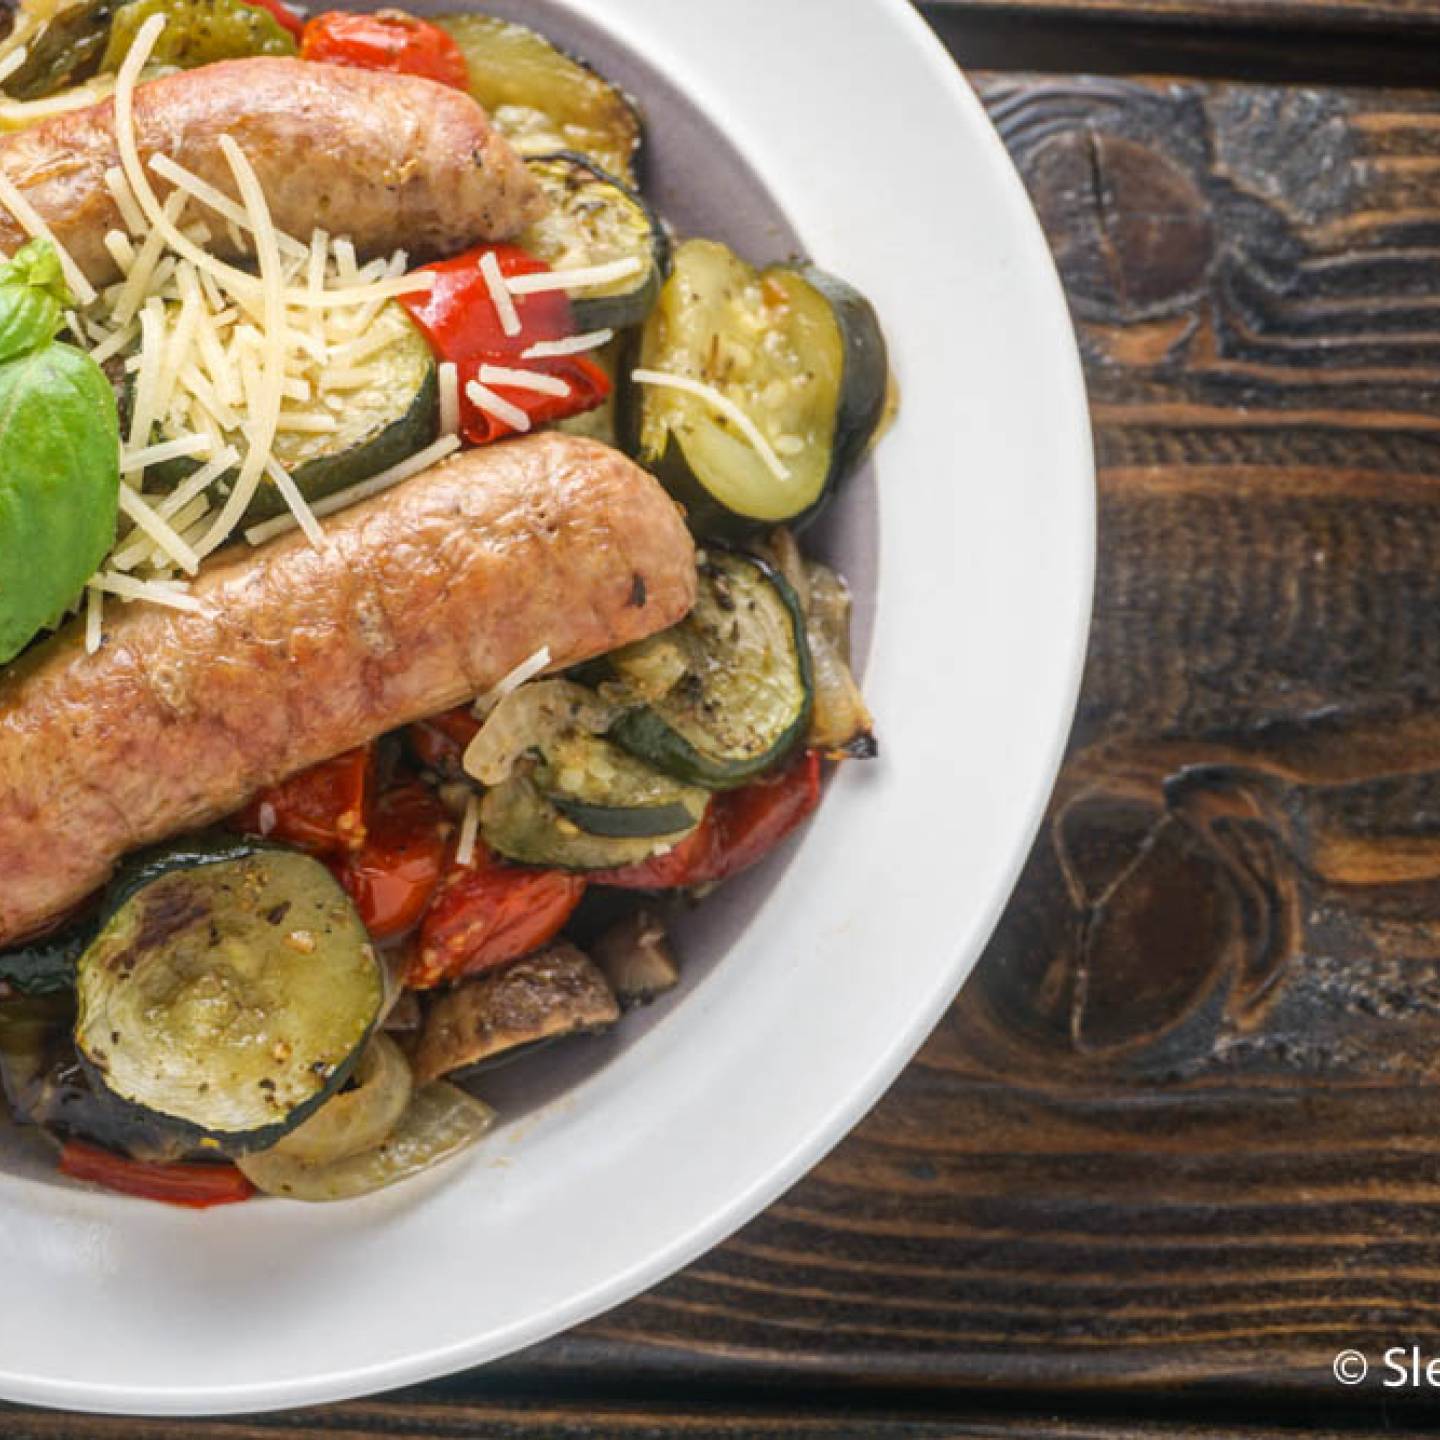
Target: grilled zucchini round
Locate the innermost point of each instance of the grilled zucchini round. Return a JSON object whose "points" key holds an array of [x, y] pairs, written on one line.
{"points": [[229, 992], [595, 219], [798, 351], [543, 100], [737, 676]]}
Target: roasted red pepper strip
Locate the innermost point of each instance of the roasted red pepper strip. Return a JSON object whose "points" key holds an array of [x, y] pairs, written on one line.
{"points": [[459, 318], [196, 1186], [740, 827], [321, 809], [386, 40], [392, 877], [440, 742], [488, 913], [283, 14]]}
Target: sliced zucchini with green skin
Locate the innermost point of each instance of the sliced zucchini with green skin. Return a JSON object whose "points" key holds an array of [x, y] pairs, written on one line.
{"points": [[393, 415], [604, 791], [520, 821], [743, 699], [230, 991], [595, 219], [543, 100], [798, 351], [45, 967]]}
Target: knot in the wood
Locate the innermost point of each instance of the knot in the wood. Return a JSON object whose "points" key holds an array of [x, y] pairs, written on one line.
{"points": [[1132, 232]]}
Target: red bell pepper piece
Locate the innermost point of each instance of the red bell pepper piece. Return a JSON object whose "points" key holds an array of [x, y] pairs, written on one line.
{"points": [[740, 827], [287, 18], [459, 318], [321, 809], [486, 914], [392, 877], [196, 1186], [386, 40]]}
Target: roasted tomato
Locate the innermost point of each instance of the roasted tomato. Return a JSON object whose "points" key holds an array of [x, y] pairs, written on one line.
{"points": [[487, 913]]}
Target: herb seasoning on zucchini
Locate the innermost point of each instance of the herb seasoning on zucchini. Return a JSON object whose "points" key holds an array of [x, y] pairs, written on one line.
{"points": [[799, 352], [734, 679], [595, 219], [229, 992]]}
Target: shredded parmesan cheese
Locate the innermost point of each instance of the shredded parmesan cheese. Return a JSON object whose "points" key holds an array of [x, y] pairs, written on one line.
{"points": [[448, 379], [469, 831], [584, 279], [299, 509], [12, 62], [500, 294], [523, 380], [130, 212], [158, 530], [181, 447], [30, 222], [724, 406], [570, 345], [222, 204], [522, 674], [153, 591], [94, 618], [498, 407], [343, 499]]}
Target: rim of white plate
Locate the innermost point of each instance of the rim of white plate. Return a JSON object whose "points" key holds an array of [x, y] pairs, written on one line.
{"points": [[1019, 635]]}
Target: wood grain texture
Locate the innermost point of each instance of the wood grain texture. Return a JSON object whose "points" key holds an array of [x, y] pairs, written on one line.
{"points": [[1286, 14], [1179, 1141]]}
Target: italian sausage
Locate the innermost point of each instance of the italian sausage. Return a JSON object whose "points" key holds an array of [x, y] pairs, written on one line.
{"points": [[422, 597], [388, 160]]}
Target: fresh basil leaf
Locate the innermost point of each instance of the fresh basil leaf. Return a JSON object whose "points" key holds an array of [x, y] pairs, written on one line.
{"points": [[59, 486], [33, 297]]}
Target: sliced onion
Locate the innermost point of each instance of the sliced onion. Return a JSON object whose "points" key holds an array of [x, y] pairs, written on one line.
{"points": [[526, 718], [359, 1118], [441, 1121], [840, 723]]}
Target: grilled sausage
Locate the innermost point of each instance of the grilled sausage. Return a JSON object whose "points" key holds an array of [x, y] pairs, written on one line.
{"points": [[424, 596], [389, 160]]}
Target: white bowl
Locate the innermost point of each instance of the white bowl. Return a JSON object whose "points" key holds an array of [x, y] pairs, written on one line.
{"points": [[809, 984]]}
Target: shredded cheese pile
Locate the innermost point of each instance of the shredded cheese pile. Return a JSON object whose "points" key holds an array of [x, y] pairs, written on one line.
{"points": [[221, 360]]}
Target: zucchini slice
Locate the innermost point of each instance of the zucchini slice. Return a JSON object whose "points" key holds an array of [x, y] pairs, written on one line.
{"points": [[595, 219], [45, 967], [562, 795], [524, 821], [798, 351], [230, 991], [740, 699], [543, 100], [381, 422]]}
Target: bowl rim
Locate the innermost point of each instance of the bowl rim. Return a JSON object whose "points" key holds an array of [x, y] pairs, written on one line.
{"points": [[1068, 410]]}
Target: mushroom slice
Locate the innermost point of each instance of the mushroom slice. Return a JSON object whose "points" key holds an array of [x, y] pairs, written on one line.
{"points": [[557, 991], [634, 955]]}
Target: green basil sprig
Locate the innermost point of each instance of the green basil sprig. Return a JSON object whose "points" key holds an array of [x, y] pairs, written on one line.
{"points": [[59, 453]]}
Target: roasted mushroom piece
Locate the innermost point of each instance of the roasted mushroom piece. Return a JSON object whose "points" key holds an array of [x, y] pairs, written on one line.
{"points": [[557, 991], [634, 955]]}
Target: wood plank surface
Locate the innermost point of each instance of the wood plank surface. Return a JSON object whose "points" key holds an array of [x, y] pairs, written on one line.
{"points": [[1280, 14], [1178, 1143]]}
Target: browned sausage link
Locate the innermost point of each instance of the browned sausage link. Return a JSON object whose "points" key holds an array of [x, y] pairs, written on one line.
{"points": [[389, 160], [422, 597]]}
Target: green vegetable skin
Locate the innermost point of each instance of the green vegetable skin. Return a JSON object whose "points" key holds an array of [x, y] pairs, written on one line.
{"points": [[59, 454], [198, 32]]}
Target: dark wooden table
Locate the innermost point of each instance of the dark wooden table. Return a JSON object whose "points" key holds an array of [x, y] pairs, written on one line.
{"points": [[1178, 1143]]}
